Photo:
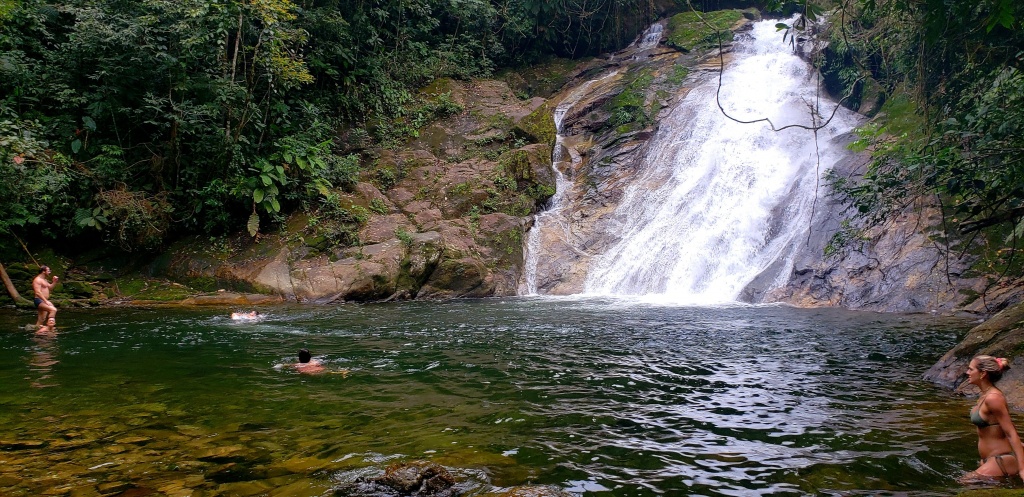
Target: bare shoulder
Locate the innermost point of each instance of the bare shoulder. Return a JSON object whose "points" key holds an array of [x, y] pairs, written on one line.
{"points": [[996, 401], [312, 367]]}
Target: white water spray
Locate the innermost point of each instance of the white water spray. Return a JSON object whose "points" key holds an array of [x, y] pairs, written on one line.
{"points": [[719, 202]]}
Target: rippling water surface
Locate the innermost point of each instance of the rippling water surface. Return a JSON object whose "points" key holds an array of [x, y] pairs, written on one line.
{"points": [[599, 397]]}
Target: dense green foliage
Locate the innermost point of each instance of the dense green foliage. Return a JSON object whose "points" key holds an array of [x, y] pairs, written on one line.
{"points": [[954, 120], [133, 121]]}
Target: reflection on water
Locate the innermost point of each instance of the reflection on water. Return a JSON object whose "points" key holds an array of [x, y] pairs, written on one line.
{"points": [[43, 358], [603, 397]]}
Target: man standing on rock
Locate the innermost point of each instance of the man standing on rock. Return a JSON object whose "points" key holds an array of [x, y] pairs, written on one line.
{"points": [[41, 287]]}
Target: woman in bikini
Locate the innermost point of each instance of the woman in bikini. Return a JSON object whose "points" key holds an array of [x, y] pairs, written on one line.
{"points": [[998, 444]]}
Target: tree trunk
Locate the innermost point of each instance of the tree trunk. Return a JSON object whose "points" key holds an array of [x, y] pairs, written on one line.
{"points": [[13, 292]]}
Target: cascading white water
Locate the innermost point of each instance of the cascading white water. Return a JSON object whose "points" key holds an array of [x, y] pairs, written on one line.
{"points": [[562, 186], [720, 201], [651, 36]]}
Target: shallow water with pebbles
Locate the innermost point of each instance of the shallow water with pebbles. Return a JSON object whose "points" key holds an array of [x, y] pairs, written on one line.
{"points": [[598, 397]]}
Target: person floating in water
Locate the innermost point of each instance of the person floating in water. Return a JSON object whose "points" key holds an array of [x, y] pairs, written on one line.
{"points": [[238, 316], [998, 443], [49, 327], [45, 309], [307, 364]]}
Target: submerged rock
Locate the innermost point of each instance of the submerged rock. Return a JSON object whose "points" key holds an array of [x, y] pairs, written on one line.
{"points": [[417, 478], [407, 479], [530, 491], [21, 444]]}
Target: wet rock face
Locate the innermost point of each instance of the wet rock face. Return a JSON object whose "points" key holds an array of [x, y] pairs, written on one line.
{"points": [[1000, 336], [604, 132], [897, 266]]}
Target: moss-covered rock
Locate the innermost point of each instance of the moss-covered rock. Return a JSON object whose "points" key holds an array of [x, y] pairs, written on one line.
{"points": [[629, 110], [141, 288], [458, 277], [540, 80], [21, 275], [539, 125], [872, 97], [78, 289], [695, 30], [424, 253], [522, 182]]}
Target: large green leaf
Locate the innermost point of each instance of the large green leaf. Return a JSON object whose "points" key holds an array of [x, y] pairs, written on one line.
{"points": [[254, 224]]}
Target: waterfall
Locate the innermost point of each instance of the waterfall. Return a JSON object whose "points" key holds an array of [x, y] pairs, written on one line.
{"points": [[719, 202], [562, 187], [651, 36]]}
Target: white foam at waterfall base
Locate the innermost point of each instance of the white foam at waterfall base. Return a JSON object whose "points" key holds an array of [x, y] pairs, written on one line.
{"points": [[718, 201]]}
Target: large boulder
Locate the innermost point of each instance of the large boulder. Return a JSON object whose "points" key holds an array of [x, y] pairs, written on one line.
{"points": [[1000, 336]]}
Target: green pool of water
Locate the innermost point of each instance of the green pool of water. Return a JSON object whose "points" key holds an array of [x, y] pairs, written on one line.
{"points": [[598, 397]]}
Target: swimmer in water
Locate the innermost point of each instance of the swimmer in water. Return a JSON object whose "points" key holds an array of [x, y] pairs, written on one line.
{"points": [[307, 364], [245, 315], [49, 327]]}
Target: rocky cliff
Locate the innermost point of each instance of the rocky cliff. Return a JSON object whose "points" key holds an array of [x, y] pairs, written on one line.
{"points": [[441, 217], [445, 213]]}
